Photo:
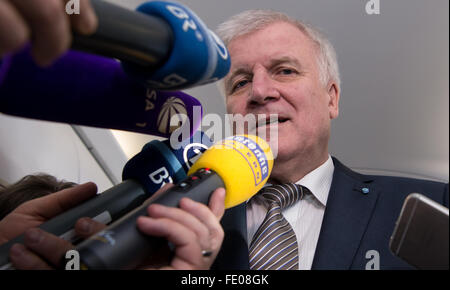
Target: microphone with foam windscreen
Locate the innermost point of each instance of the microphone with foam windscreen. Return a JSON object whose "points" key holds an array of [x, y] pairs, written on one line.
{"points": [[85, 89], [158, 163], [163, 44], [162, 162], [241, 164]]}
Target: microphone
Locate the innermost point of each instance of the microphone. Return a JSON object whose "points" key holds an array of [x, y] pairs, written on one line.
{"points": [[241, 164], [85, 89], [163, 44], [159, 162], [143, 175]]}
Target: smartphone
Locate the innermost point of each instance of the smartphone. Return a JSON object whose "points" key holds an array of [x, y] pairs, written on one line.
{"points": [[420, 236]]}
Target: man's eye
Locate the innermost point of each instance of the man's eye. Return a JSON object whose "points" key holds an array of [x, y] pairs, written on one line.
{"points": [[286, 71], [240, 84]]}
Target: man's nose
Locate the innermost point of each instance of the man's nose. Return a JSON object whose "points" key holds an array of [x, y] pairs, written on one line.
{"points": [[263, 88]]}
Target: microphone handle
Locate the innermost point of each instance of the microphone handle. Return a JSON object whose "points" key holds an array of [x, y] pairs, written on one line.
{"points": [[122, 246], [106, 207], [128, 35]]}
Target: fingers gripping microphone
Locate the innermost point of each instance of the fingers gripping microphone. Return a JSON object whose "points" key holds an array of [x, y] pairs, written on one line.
{"points": [[157, 164], [241, 164], [163, 44], [85, 89]]}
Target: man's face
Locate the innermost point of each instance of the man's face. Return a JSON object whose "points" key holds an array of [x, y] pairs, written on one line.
{"points": [[275, 71]]}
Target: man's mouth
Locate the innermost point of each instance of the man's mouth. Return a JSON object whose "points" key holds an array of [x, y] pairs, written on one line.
{"points": [[272, 121]]}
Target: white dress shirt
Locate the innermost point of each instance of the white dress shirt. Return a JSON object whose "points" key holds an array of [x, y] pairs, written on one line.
{"points": [[304, 216]]}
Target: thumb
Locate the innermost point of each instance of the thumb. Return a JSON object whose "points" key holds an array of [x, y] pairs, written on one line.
{"points": [[58, 202]]}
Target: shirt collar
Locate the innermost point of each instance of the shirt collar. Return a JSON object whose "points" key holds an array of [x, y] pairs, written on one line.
{"points": [[319, 180]]}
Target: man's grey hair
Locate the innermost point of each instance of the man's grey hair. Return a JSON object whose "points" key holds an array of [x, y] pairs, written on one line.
{"points": [[252, 20]]}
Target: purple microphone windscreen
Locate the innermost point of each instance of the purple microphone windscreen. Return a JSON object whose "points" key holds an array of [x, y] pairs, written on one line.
{"points": [[90, 90]]}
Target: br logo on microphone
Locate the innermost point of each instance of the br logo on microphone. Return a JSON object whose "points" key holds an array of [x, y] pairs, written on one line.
{"points": [[172, 107], [161, 176], [197, 148]]}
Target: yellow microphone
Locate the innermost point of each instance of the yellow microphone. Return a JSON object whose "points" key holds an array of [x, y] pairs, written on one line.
{"points": [[244, 163], [241, 164]]}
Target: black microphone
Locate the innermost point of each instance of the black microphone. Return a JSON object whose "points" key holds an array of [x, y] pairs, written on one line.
{"points": [[163, 44], [158, 163], [127, 35], [240, 164]]}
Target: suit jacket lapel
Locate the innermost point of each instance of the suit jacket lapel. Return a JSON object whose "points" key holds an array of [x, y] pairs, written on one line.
{"points": [[350, 203]]}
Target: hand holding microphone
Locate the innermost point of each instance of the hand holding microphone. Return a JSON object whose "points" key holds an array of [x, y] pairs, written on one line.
{"points": [[163, 45], [26, 217], [143, 175], [91, 90], [194, 228], [240, 164], [34, 212], [43, 250]]}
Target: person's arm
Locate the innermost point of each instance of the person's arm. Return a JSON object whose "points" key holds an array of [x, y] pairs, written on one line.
{"points": [[44, 22], [192, 229]]}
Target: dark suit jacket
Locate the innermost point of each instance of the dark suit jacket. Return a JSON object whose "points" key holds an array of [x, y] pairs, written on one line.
{"points": [[354, 222]]}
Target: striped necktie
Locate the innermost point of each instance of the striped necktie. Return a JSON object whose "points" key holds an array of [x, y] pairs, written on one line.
{"points": [[274, 245]]}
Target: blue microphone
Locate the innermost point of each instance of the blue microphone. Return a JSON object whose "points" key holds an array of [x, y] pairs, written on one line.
{"points": [[197, 57], [159, 162], [163, 44]]}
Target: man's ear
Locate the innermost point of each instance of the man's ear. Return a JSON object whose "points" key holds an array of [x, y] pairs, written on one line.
{"points": [[333, 103]]}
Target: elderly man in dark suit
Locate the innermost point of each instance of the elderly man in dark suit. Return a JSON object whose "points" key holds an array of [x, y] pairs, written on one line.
{"points": [[285, 67], [315, 214]]}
